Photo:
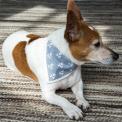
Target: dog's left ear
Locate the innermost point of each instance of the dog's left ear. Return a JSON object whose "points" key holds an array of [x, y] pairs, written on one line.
{"points": [[74, 18]]}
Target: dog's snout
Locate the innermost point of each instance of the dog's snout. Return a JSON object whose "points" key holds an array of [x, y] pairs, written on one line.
{"points": [[115, 56]]}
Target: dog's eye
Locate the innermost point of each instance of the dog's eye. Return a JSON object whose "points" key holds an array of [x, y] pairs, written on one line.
{"points": [[97, 44]]}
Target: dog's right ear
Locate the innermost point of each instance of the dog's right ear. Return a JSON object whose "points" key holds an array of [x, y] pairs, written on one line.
{"points": [[74, 18]]}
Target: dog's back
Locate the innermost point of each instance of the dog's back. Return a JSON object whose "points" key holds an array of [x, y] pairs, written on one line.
{"points": [[14, 53], [9, 45]]}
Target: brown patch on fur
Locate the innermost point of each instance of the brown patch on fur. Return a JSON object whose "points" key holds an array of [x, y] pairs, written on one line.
{"points": [[32, 37], [21, 61], [72, 27], [81, 48], [79, 52], [71, 6]]}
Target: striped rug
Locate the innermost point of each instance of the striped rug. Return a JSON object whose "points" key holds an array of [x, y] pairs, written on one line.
{"points": [[20, 98]]}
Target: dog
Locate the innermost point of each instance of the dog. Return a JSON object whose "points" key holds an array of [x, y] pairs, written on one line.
{"points": [[55, 61]]}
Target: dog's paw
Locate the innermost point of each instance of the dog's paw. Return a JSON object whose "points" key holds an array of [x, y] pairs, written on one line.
{"points": [[83, 104], [73, 112]]}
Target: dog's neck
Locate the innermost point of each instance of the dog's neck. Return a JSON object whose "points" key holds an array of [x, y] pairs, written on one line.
{"points": [[57, 38]]}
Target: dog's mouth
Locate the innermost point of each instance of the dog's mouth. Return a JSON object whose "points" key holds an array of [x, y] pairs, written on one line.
{"points": [[106, 61]]}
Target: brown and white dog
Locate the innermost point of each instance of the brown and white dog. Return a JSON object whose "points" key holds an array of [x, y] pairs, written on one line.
{"points": [[78, 43]]}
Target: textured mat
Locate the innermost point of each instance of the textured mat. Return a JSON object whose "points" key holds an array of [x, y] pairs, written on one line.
{"points": [[20, 98]]}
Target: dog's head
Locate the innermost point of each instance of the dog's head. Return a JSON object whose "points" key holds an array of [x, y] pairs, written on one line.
{"points": [[84, 41]]}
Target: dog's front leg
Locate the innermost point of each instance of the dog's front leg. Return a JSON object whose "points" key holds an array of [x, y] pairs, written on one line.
{"points": [[71, 110], [78, 91]]}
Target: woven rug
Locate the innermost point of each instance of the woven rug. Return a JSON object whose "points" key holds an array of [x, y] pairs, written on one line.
{"points": [[20, 98]]}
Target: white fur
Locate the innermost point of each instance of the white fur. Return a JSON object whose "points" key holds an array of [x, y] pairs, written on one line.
{"points": [[37, 63], [8, 46]]}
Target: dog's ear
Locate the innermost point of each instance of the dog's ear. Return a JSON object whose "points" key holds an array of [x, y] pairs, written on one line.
{"points": [[71, 6], [74, 18]]}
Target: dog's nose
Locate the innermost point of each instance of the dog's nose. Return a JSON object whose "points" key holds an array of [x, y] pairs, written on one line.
{"points": [[115, 56]]}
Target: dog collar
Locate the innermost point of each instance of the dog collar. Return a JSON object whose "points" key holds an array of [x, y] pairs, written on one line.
{"points": [[58, 65]]}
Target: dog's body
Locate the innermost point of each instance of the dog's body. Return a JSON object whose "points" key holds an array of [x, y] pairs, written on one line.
{"points": [[38, 65], [26, 53]]}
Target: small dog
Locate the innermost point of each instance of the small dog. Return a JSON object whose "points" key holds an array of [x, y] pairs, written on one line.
{"points": [[55, 61]]}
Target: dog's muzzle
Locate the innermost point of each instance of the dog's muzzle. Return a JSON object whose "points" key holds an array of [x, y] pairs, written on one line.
{"points": [[114, 57]]}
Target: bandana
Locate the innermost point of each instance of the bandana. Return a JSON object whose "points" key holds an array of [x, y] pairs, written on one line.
{"points": [[58, 65]]}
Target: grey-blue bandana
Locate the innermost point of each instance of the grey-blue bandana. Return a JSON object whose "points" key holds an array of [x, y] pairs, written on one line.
{"points": [[58, 65]]}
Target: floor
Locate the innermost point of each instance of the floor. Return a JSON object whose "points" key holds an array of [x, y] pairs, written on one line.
{"points": [[20, 98]]}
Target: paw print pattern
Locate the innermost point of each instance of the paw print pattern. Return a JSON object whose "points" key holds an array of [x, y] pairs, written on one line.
{"points": [[49, 55], [61, 65], [59, 55], [52, 76], [50, 66], [58, 65], [61, 73]]}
